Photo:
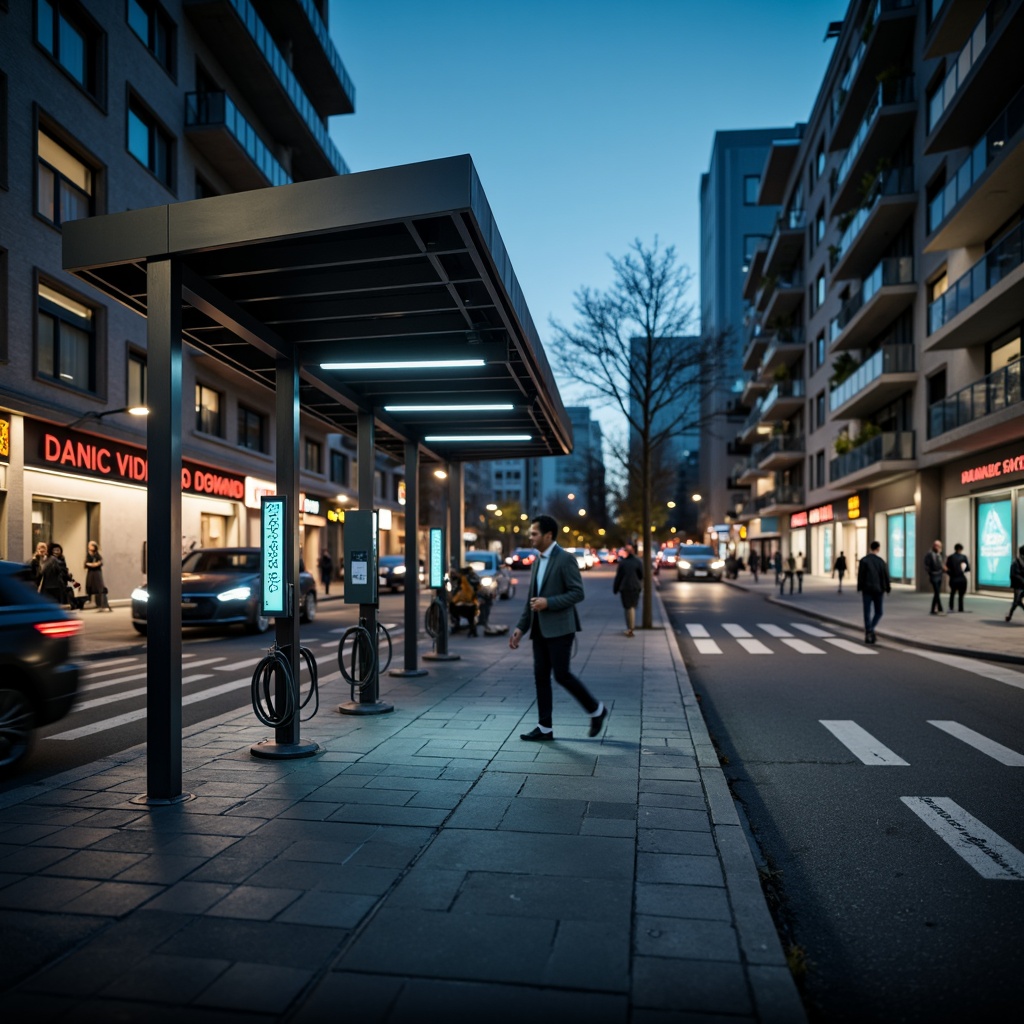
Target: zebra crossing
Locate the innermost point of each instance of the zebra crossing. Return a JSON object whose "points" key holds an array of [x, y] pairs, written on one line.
{"points": [[787, 638], [988, 853]]}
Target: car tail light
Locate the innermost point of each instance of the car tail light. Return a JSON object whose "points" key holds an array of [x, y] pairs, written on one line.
{"points": [[60, 629]]}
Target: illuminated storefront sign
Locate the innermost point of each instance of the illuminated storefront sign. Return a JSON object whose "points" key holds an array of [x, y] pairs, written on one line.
{"points": [[993, 470], [5, 439], [826, 514]]}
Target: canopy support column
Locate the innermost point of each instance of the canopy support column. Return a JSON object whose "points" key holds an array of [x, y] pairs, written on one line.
{"points": [[412, 565]]}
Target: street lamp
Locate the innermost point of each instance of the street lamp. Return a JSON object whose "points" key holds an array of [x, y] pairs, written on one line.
{"points": [[134, 410]]}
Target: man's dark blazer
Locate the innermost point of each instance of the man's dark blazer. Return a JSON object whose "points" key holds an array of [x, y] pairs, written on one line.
{"points": [[563, 587]]}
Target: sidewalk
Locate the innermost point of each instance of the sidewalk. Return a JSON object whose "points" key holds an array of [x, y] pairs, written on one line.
{"points": [[978, 632], [428, 865]]}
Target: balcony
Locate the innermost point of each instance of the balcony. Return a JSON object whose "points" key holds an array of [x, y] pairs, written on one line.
{"points": [[214, 125], [757, 342], [886, 31], [950, 24], [781, 452], [984, 301], [752, 282], [753, 430], [890, 202], [987, 187], [242, 44], [886, 455], [884, 294], [785, 348], [753, 389], [786, 242], [974, 87], [785, 296], [877, 381], [888, 117], [781, 500], [785, 398], [748, 472], [986, 413]]}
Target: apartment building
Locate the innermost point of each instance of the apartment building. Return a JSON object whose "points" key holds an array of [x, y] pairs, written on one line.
{"points": [[884, 344], [110, 106]]}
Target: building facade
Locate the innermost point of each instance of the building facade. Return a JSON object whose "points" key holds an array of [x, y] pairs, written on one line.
{"points": [[107, 107], [885, 341]]}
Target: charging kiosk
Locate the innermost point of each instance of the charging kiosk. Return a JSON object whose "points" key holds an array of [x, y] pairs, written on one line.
{"points": [[436, 581]]}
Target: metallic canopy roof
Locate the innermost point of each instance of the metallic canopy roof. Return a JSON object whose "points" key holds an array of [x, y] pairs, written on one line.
{"points": [[398, 263]]}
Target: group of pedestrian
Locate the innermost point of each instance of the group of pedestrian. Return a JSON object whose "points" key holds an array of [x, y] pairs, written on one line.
{"points": [[955, 567], [53, 578], [793, 567]]}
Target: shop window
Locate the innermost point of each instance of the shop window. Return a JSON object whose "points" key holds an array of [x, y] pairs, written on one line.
{"points": [[252, 429], [65, 185], [751, 186], [149, 21], [208, 411], [67, 33], [149, 142], [137, 391], [65, 340], [339, 468], [312, 456]]}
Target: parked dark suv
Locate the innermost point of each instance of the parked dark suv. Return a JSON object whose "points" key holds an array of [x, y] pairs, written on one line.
{"points": [[37, 683]]}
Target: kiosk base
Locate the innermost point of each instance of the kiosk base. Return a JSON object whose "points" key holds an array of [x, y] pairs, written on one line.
{"points": [[354, 707], [272, 750], [408, 672], [434, 656], [161, 801]]}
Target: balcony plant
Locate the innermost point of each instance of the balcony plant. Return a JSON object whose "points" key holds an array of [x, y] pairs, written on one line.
{"points": [[843, 366], [780, 373], [842, 444], [866, 433]]}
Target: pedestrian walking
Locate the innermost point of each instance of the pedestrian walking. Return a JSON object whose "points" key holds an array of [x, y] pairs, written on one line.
{"points": [[873, 582], [326, 566], [37, 562], [839, 569], [935, 567], [754, 563], [957, 568], [551, 619], [629, 581], [94, 585], [799, 565], [777, 565], [1017, 582], [788, 574]]}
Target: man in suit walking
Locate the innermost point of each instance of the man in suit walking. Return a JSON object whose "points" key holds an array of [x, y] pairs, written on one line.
{"points": [[551, 619], [873, 583]]}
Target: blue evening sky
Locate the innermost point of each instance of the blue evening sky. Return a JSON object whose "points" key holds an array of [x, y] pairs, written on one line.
{"points": [[589, 121]]}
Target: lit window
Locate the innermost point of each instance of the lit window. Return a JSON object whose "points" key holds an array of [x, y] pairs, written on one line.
{"points": [[65, 340], [208, 405], [65, 184], [149, 143]]}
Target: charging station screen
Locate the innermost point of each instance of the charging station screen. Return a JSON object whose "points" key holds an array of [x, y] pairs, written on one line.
{"points": [[436, 558], [274, 577]]}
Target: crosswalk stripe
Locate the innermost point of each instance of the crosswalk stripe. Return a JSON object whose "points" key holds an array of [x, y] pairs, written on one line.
{"points": [[103, 684], [988, 853], [114, 665], [139, 691], [735, 630], [862, 744], [705, 646], [848, 645], [772, 630], [1004, 755], [1000, 673], [802, 646], [811, 630], [695, 629], [752, 646]]}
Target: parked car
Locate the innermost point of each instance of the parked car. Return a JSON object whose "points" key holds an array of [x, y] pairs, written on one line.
{"points": [[38, 683], [606, 556], [698, 561], [521, 558], [391, 573], [221, 587], [583, 556], [494, 574], [667, 557]]}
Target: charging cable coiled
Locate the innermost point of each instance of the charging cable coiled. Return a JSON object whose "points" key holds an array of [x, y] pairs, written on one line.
{"points": [[276, 665], [364, 657], [436, 619]]}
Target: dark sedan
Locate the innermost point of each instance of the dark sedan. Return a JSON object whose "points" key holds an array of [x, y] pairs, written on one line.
{"points": [[221, 587], [37, 683], [391, 573], [699, 562]]}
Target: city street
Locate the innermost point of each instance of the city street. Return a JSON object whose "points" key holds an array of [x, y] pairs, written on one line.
{"points": [[853, 765]]}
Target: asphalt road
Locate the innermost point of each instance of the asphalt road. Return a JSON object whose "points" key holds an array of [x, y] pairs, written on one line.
{"points": [[858, 768]]}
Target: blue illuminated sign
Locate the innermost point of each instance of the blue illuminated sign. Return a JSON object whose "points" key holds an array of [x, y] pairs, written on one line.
{"points": [[273, 555]]}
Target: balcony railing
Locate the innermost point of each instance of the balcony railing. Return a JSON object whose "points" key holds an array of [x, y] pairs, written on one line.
{"points": [[794, 220], [784, 389], [781, 443], [997, 391], [203, 109], [891, 270], [895, 90], [324, 38], [1002, 259], [896, 181], [274, 57], [988, 147], [888, 359], [786, 495], [895, 445]]}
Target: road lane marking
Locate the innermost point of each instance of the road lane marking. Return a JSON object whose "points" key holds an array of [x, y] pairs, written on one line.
{"points": [[134, 716], [139, 691], [853, 646], [1004, 755], [705, 646], [754, 646], [988, 853], [803, 646], [811, 630], [862, 744], [734, 630], [695, 629], [115, 682], [115, 665], [1000, 673], [772, 630]]}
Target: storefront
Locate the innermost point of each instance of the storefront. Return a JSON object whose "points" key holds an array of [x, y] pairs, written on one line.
{"points": [[5, 468], [824, 532]]}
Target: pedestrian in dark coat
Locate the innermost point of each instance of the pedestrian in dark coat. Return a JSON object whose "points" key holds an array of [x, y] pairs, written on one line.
{"points": [[777, 565], [326, 567], [94, 585], [957, 568], [839, 569], [37, 562], [55, 581], [788, 574], [1017, 582], [935, 566], [873, 582], [629, 581]]}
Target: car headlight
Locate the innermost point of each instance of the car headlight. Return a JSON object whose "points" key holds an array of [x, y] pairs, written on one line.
{"points": [[398, 570], [235, 594], [138, 594], [682, 563], [718, 565], [487, 581]]}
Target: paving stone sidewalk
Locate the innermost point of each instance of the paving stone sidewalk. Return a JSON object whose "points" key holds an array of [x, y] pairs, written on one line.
{"points": [[427, 865]]}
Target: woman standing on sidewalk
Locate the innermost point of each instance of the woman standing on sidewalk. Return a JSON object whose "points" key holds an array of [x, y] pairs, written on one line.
{"points": [[628, 583], [94, 585], [1017, 582]]}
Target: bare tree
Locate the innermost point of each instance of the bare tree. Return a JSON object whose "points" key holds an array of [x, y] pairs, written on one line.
{"points": [[632, 347]]}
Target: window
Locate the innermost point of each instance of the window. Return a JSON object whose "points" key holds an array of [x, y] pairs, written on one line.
{"points": [[312, 455], [3, 130], [208, 406], [149, 143], [339, 468], [819, 225], [820, 349], [72, 39], [65, 183], [819, 410], [137, 392], [750, 244], [937, 387], [252, 429], [819, 468], [819, 159], [819, 290], [751, 186], [150, 23], [65, 340]]}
